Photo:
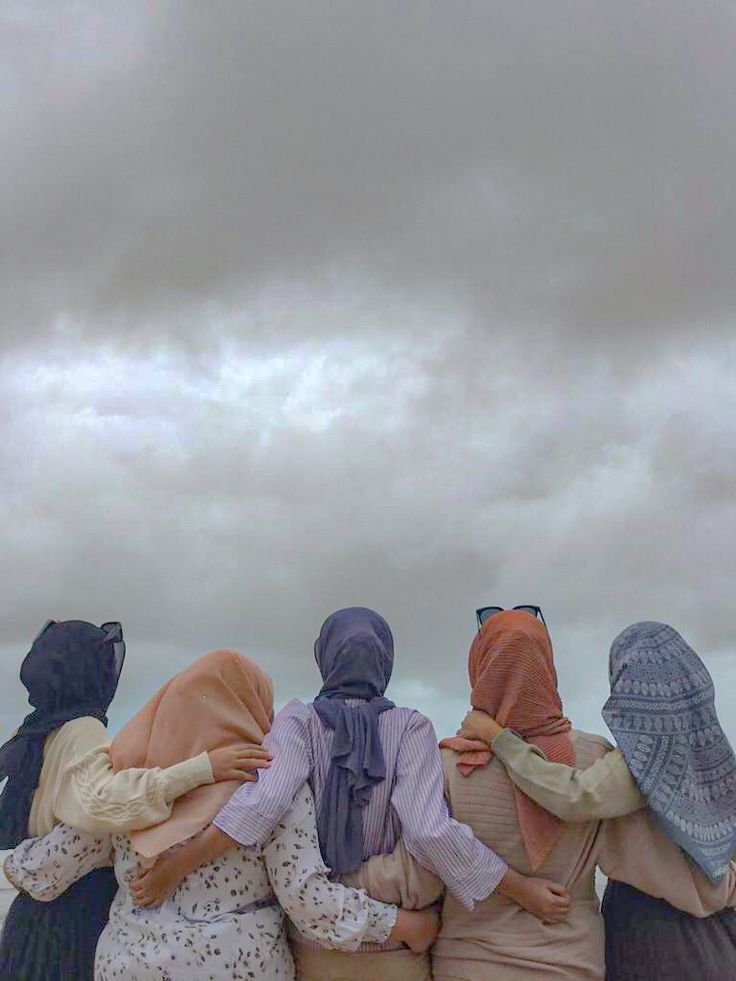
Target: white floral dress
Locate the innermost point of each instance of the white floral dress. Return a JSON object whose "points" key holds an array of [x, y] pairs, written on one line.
{"points": [[224, 921]]}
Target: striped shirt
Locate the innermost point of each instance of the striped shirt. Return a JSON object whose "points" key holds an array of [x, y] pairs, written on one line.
{"points": [[410, 802]]}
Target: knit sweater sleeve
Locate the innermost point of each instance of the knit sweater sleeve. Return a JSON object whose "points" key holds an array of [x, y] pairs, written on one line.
{"points": [[605, 790], [91, 796]]}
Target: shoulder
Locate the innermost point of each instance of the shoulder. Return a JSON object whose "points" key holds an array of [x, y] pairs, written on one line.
{"points": [[590, 744], [294, 713], [414, 719], [84, 732]]}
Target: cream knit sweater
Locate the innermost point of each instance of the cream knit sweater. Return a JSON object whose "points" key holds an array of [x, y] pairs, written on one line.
{"points": [[78, 786]]}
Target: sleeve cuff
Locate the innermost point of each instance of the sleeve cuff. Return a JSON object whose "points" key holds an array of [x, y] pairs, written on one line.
{"points": [[243, 824], [482, 881], [183, 777]]}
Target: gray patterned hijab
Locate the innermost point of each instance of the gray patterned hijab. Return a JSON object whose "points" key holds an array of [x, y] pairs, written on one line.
{"points": [[663, 717]]}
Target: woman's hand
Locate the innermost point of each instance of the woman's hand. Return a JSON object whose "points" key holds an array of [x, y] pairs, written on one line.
{"points": [[480, 725], [238, 762], [418, 929], [152, 886], [548, 901]]}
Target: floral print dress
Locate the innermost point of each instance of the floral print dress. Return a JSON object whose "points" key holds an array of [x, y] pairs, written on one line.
{"points": [[226, 920]]}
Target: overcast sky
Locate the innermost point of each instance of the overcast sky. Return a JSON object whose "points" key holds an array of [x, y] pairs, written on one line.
{"points": [[418, 305]]}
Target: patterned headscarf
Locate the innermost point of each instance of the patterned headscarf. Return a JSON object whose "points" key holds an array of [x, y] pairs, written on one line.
{"points": [[71, 671], [355, 655], [513, 678], [663, 717]]}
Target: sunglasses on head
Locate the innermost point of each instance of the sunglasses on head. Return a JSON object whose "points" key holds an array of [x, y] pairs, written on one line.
{"points": [[486, 612], [43, 630], [113, 632]]}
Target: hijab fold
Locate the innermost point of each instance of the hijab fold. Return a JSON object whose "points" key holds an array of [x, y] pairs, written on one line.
{"points": [[355, 653], [513, 678], [71, 671], [662, 715], [222, 699]]}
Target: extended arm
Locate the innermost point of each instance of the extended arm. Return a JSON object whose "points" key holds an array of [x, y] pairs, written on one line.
{"points": [[604, 790], [248, 818], [327, 912], [469, 869], [635, 849], [45, 867], [91, 796]]}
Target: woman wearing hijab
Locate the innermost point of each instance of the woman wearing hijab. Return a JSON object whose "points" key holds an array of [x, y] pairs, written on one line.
{"points": [[512, 676], [673, 757], [58, 768], [376, 774], [225, 921]]}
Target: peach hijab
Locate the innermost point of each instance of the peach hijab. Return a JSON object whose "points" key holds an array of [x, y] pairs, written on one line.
{"points": [[513, 678], [222, 699]]}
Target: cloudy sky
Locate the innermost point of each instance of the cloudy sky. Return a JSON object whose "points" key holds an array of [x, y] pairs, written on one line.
{"points": [[416, 305]]}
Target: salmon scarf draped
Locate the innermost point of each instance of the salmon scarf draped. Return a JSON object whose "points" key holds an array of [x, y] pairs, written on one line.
{"points": [[223, 699], [513, 678]]}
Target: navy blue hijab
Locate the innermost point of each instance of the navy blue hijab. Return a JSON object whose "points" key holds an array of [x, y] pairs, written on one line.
{"points": [[71, 671], [355, 655]]}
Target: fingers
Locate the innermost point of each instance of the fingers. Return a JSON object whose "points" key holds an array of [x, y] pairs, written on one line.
{"points": [[256, 755], [244, 775], [145, 893], [559, 890]]}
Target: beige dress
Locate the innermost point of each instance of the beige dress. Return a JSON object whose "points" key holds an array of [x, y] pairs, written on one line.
{"points": [[499, 941]]}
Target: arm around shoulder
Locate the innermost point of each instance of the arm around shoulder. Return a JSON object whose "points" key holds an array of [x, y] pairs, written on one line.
{"points": [[604, 790]]}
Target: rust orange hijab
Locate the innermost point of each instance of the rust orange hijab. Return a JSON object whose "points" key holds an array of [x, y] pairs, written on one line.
{"points": [[222, 699], [513, 678]]}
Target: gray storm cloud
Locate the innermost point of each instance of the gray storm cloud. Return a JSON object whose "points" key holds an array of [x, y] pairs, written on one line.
{"points": [[415, 305]]}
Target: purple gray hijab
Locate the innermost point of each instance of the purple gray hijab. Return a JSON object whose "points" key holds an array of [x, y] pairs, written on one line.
{"points": [[663, 716], [355, 655]]}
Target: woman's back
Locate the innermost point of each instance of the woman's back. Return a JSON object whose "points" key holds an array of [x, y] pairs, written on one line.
{"points": [[222, 921], [498, 934]]}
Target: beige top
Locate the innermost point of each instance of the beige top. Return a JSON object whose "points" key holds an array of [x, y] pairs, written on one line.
{"points": [[500, 935], [498, 939], [79, 787], [605, 790]]}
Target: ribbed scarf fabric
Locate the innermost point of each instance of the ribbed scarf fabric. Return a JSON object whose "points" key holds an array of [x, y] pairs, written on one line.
{"points": [[354, 652], [513, 678], [71, 671], [662, 715]]}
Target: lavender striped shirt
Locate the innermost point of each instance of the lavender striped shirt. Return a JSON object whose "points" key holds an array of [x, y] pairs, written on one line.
{"points": [[409, 802]]}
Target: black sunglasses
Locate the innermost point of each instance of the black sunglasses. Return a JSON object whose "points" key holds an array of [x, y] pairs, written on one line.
{"points": [[113, 632], [485, 612], [43, 630]]}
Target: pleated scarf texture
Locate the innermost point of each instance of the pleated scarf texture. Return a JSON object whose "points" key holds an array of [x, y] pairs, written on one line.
{"points": [[513, 678]]}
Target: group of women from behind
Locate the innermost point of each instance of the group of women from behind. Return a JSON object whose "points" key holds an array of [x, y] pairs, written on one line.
{"points": [[338, 841]]}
